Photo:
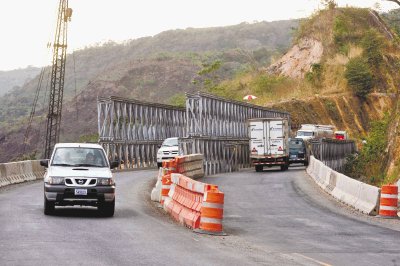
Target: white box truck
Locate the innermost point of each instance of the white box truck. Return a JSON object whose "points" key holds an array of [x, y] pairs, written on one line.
{"points": [[269, 142]]}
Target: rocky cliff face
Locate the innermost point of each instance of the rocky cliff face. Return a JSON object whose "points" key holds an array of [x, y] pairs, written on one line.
{"points": [[299, 59]]}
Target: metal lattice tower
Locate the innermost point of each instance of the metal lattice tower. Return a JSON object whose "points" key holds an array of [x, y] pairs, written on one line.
{"points": [[57, 77]]}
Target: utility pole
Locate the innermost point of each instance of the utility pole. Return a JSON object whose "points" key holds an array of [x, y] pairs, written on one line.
{"points": [[57, 78]]}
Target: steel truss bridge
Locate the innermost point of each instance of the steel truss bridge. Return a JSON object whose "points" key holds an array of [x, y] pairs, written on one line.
{"points": [[131, 130]]}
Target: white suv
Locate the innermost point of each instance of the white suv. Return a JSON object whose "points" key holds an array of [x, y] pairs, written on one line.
{"points": [[168, 150], [79, 174]]}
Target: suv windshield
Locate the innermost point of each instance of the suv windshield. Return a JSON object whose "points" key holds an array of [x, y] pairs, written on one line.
{"points": [[79, 156], [170, 142]]}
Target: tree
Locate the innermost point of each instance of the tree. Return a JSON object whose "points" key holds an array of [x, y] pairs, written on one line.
{"points": [[359, 77], [329, 4]]}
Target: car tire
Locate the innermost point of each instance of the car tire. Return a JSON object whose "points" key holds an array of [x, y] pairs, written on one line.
{"points": [[159, 165], [49, 206], [107, 209], [284, 167], [259, 168], [305, 163]]}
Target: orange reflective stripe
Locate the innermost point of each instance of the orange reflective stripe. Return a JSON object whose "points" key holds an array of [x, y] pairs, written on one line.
{"points": [[389, 189], [212, 212]]}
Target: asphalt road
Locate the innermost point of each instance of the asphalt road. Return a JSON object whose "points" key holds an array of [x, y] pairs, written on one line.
{"points": [[272, 218]]}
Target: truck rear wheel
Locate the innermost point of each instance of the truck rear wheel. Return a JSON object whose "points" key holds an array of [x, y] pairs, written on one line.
{"points": [[259, 168], [284, 167]]}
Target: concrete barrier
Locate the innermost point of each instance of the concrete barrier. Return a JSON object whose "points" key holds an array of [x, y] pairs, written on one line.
{"points": [[18, 172], [361, 196], [156, 192]]}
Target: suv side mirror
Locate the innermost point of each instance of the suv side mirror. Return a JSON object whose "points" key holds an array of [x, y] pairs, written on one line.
{"points": [[44, 163], [114, 164]]}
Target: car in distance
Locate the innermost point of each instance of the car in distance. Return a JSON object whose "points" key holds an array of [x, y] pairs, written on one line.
{"points": [[298, 151], [168, 150], [79, 174]]}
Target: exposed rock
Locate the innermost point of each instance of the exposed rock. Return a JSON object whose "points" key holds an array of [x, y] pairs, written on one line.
{"points": [[299, 59]]}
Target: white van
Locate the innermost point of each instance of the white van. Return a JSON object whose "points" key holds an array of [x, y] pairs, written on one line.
{"points": [[168, 150]]}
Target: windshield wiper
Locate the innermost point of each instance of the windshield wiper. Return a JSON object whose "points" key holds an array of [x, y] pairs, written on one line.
{"points": [[87, 165], [62, 164]]}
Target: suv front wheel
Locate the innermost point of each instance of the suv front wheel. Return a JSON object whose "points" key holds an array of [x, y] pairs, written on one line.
{"points": [[106, 209], [49, 206]]}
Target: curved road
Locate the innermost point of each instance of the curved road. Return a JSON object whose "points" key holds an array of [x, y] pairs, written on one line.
{"points": [[272, 218]]}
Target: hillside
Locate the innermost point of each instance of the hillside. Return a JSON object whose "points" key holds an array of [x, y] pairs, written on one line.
{"points": [[158, 69], [18, 77], [342, 70]]}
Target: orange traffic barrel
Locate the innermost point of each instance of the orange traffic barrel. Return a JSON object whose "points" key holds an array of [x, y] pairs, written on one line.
{"points": [[388, 203], [211, 212]]}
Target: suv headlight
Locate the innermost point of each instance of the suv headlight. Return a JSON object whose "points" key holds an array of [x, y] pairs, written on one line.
{"points": [[105, 181], [56, 180]]}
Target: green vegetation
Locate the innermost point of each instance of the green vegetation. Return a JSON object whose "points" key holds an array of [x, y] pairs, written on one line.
{"points": [[359, 77], [332, 110], [89, 138], [178, 100], [314, 76], [369, 165], [392, 19]]}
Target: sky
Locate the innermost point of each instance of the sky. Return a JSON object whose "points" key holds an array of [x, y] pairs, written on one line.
{"points": [[26, 26]]}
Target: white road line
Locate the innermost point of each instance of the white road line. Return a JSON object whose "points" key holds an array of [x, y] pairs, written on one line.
{"points": [[313, 260]]}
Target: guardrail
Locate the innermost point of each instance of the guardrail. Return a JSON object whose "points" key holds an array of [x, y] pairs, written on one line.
{"points": [[361, 196], [18, 172]]}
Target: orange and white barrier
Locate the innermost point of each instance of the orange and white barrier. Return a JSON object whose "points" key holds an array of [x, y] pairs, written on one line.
{"points": [[388, 203], [195, 204], [212, 211], [189, 165]]}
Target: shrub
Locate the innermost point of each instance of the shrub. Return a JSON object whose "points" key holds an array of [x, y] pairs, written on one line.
{"points": [[359, 76], [178, 100], [372, 44], [371, 161], [314, 76]]}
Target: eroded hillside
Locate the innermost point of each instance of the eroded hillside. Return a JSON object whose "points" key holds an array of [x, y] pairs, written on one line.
{"points": [[342, 70], [157, 69]]}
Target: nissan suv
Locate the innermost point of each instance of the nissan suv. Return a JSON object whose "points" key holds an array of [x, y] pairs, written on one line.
{"points": [[79, 174]]}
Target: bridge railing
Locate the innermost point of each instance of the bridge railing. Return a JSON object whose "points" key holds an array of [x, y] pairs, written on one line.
{"points": [[333, 152]]}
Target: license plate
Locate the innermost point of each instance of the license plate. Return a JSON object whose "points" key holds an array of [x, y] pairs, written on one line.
{"points": [[293, 156], [80, 191]]}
